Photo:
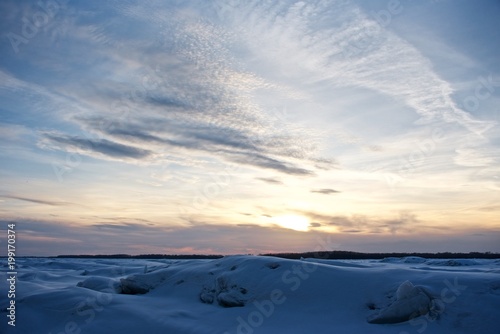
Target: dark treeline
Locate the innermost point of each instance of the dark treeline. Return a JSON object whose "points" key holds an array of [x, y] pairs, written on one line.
{"points": [[144, 256], [346, 255], [330, 255]]}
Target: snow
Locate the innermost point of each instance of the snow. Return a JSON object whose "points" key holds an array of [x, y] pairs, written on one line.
{"points": [[411, 302], [248, 294], [405, 290], [102, 284]]}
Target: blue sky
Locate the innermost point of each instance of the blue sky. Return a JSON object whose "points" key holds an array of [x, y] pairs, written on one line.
{"points": [[248, 127]]}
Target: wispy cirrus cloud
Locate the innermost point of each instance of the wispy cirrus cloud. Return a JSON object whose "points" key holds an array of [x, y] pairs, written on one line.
{"points": [[184, 101], [356, 51]]}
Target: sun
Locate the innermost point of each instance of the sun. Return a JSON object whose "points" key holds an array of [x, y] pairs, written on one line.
{"points": [[293, 222]]}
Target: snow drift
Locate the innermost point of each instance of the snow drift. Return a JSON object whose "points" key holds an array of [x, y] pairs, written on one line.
{"points": [[411, 302], [252, 295]]}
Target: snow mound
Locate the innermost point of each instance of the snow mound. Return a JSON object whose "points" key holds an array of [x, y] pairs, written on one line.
{"points": [[404, 290], [226, 294], [101, 284], [391, 260], [407, 259], [337, 263], [411, 302], [143, 283], [414, 259], [453, 262], [135, 285]]}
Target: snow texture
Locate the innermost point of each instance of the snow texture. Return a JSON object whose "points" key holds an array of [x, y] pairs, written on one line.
{"points": [[254, 295]]}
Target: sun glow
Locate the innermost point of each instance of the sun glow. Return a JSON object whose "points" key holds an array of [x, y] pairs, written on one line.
{"points": [[297, 223]]}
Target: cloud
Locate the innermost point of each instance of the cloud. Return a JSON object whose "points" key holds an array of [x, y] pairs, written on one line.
{"points": [[325, 191], [404, 223], [262, 161], [13, 132], [227, 143], [489, 208], [269, 180], [37, 201], [122, 226], [476, 157], [106, 238], [354, 50], [51, 238], [195, 87], [95, 147], [187, 95]]}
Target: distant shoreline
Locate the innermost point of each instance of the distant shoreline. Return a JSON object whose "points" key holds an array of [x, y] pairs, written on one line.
{"points": [[326, 255]]}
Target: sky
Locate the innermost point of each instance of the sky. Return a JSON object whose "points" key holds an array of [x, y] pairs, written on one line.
{"points": [[246, 127]]}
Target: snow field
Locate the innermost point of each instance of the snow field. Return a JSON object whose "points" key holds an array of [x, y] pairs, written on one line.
{"points": [[249, 294]]}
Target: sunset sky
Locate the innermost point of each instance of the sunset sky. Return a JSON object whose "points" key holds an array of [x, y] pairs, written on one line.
{"points": [[250, 126]]}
